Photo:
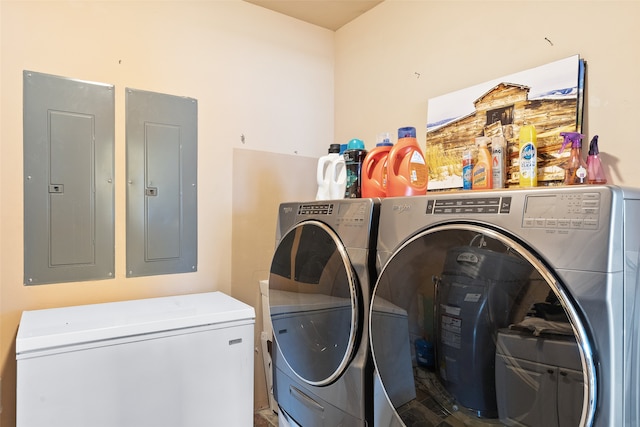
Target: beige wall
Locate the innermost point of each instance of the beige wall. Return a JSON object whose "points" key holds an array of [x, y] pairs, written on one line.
{"points": [[249, 69], [456, 44], [276, 177]]}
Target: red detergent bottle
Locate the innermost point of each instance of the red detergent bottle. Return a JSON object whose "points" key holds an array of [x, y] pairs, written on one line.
{"points": [[374, 168], [407, 172]]}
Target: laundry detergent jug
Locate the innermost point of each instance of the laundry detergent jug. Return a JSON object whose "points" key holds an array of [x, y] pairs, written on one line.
{"points": [[374, 168], [331, 175], [407, 173]]}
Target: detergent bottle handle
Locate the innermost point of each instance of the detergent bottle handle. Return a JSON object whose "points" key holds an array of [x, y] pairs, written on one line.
{"points": [[396, 160], [339, 171], [367, 166], [321, 175]]}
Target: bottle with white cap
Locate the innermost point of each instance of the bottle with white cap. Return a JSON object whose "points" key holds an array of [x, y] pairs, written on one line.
{"points": [[330, 175]]}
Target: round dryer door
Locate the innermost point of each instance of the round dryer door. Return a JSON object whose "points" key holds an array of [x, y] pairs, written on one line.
{"points": [[469, 327], [313, 302]]}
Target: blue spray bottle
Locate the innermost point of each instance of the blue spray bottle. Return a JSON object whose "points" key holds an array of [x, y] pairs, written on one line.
{"points": [[575, 168], [595, 171]]}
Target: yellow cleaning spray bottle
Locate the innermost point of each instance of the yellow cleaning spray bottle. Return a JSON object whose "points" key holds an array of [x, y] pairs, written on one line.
{"points": [[528, 160]]}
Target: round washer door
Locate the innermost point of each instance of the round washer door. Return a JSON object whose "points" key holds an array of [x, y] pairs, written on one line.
{"points": [[314, 303], [468, 323]]}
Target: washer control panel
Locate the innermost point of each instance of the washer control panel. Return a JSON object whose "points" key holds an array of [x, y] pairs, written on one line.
{"points": [[470, 205], [562, 211]]}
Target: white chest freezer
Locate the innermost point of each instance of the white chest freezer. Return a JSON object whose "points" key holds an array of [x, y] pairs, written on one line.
{"points": [[182, 361]]}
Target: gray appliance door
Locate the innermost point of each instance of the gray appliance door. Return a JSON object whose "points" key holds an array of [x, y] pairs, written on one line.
{"points": [[314, 303], [437, 309]]}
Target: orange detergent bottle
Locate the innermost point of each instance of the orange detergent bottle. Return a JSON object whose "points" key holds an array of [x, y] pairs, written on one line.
{"points": [[374, 168], [407, 173]]}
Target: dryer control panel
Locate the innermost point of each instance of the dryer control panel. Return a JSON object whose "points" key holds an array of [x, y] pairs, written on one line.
{"points": [[562, 211], [355, 220], [351, 213]]}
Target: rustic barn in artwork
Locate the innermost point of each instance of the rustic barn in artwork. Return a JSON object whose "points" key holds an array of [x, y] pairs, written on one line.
{"points": [[502, 111]]}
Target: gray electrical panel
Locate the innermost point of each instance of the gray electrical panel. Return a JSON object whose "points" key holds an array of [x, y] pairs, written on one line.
{"points": [[68, 179], [161, 132]]}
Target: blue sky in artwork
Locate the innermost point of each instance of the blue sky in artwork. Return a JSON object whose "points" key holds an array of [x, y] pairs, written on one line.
{"points": [[559, 78]]}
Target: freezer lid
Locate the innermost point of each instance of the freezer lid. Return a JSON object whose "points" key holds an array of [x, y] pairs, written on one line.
{"points": [[66, 326]]}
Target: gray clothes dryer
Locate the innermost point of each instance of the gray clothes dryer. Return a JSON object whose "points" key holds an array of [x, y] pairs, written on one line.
{"points": [[320, 284], [529, 299]]}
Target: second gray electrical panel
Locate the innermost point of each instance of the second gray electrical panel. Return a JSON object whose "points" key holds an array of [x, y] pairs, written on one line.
{"points": [[161, 133]]}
